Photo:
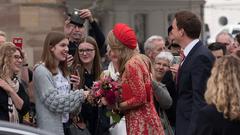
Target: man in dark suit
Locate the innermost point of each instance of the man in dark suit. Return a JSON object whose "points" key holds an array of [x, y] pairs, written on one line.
{"points": [[193, 71]]}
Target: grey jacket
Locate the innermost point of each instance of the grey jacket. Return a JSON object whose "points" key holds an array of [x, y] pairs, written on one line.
{"points": [[50, 104], [162, 95]]}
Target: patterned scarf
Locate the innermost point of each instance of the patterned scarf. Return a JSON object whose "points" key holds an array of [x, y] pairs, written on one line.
{"points": [[12, 111]]}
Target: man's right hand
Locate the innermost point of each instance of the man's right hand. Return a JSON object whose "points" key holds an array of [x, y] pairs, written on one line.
{"points": [[86, 14]]}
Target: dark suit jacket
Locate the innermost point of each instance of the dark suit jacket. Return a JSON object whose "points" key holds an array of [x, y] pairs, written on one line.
{"points": [[211, 122], [193, 76]]}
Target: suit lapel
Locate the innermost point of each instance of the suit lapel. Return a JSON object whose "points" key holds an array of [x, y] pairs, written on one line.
{"points": [[188, 58]]}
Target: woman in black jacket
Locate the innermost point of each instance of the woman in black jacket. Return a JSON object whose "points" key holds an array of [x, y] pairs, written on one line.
{"points": [[87, 62], [14, 102], [222, 114]]}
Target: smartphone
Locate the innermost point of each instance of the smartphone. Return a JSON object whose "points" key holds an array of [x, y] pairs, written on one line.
{"points": [[18, 41]]}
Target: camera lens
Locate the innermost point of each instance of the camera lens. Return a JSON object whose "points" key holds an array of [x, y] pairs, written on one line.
{"points": [[76, 19], [76, 12]]}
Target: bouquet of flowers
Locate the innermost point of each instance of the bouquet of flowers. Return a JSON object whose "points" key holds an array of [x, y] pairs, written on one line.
{"points": [[107, 92]]}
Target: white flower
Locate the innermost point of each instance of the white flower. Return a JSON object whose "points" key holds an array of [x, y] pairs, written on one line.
{"points": [[106, 73], [114, 76]]}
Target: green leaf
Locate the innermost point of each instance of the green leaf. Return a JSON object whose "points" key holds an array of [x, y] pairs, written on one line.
{"points": [[108, 114], [116, 117]]}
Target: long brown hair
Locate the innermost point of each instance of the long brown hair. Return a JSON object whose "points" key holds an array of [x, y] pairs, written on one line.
{"points": [[125, 52], [47, 57], [223, 87], [7, 50], [96, 67]]}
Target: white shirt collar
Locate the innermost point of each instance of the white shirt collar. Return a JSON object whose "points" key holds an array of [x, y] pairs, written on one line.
{"points": [[189, 47]]}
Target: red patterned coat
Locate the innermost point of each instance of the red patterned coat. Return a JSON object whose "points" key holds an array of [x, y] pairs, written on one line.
{"points": [[141, 118]]}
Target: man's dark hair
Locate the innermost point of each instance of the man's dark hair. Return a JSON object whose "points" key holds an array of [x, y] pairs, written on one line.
{"points": [[238, 38], [217, 46], [189, 22], [169, 29]]}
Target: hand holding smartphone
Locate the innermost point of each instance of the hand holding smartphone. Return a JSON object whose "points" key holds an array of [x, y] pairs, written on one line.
{"points": [[75, 78]]}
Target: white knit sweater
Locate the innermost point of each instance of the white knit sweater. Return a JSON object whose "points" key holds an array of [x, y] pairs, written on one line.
{"points": [[50, 104]]}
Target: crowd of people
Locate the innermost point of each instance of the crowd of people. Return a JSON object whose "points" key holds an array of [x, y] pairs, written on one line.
{"points": [[178, 86]]}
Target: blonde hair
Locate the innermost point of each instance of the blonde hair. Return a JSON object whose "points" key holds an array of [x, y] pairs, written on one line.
{"points": [[125, 52], [2, 33], [7, 50], [223, 87]]}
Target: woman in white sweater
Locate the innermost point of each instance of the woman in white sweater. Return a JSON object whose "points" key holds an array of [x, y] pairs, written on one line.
{"points": [[54, 99]]}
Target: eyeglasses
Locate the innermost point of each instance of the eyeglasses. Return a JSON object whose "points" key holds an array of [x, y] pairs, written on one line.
{"points": [[81, 51], [17, 57]]}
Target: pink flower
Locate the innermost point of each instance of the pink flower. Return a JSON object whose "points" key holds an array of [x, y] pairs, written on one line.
{"points": [[117, 94], [99, 93], [108, 89], [115, 85], [96, 85], [110, 97]]}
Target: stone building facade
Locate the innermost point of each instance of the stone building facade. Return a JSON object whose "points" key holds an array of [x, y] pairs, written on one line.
{"points": [[147, 17], [32, 19]]}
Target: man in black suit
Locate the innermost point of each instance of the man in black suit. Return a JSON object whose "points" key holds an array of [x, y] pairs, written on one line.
{"points": [[193, 71]]}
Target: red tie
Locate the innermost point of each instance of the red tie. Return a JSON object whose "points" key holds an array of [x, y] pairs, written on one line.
{"points": [[182, 56]]}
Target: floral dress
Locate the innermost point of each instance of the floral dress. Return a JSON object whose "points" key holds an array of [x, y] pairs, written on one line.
{"points": [[141, 118]]}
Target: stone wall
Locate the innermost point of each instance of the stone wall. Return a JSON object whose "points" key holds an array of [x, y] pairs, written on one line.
{"points": [[147, 17], [31, 20]]}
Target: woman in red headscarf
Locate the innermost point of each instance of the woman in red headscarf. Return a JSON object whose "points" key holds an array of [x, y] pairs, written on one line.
{"points": [[135, 72]]}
